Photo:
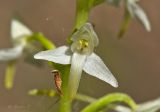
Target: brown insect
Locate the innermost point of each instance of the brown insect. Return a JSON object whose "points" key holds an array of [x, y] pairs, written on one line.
{"points": [[57, 81]]}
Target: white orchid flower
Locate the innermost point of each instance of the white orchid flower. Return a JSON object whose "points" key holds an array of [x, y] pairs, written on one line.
{"points": [[151, 106], [18, 35], [137, 12], [81, 57]]}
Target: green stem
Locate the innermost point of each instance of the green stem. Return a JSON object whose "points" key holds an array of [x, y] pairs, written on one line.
{"points": [[125, 24], [109, 99], [9, 76], [44, 92], [85, 98], [83, 8], [65, 103], [47, 44], [52, 93], [97, 2], [82, 12]]}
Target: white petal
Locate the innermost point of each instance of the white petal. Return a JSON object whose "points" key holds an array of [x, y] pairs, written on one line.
{"points": [[151, 106], [142, 17], [137, 12], [94, 66], [18, 29], [77, 64], [61, 55], [120, 108], [11, 53]]}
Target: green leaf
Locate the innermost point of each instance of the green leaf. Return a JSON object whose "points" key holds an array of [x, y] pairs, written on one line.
{"points": [[9, 76], [109, 99]]}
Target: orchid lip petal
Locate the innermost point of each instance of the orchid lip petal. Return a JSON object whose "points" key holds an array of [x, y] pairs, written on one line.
{"points": [[61, 55], [11, 53], [18, 29], [94, 66], [77, 64]]}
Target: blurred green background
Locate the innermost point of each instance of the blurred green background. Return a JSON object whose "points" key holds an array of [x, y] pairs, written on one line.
{"points": [[134, 59]]}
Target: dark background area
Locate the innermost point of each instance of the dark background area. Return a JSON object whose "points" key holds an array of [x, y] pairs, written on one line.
{"points": [[134, 59]]}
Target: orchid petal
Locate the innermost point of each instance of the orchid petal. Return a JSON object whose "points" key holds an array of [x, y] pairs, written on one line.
{"points": [[61, 55], [136, 11], [94, 66], [11, 53], [18, 29], [77, 63], [151, 106]]}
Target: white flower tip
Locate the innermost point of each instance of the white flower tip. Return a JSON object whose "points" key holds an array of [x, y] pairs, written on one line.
{"points": [[114, 84], [112, 81], [37, 56], [94, 66], [148, 27], [18, 29]]}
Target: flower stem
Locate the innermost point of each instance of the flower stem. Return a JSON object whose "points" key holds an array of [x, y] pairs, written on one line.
{"points": [[125, 24], [9, 76], [85, 98], [47, 44], [65, 103]]}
